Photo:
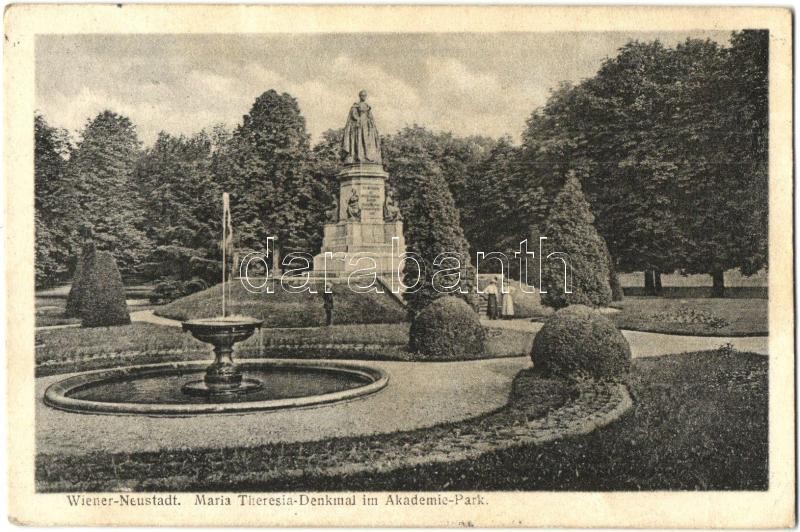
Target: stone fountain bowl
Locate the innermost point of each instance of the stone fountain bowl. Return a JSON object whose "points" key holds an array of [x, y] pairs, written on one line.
{"points": [[223, 377], [222, 330]]}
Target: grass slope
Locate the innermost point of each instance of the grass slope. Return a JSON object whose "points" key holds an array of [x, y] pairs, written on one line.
{"points": [[285, 309], [699, 423]]}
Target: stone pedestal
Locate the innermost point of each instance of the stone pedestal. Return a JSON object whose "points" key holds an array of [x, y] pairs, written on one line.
{"points": [[351, 241]]}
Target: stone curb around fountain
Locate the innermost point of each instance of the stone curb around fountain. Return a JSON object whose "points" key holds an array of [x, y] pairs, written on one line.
{"points": [[57, 394]]}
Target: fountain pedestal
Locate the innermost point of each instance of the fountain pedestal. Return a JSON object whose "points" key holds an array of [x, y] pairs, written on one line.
{"points": [[223, 377]]}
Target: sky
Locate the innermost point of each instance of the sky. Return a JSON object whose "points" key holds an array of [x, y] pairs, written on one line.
{"points": [[467, 83]]}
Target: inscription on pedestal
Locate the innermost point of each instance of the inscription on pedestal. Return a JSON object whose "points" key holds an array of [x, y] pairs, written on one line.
{"points": [[372, 202]]}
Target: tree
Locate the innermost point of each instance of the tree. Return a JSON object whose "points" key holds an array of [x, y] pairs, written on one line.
{"points": [[101, 171], [458, 158], [432, 224], [584, 270], [489, 200], [610, 131], [267, 172], [54, 204], [76, 298], [182, 204], [325, 166], [501, 204], [729, 204], [670, 146]]}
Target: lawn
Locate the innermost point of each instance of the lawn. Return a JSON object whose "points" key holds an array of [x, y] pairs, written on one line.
{"points": [[699, 423], [696, 316], [79, 349], [699, 285], [288, 309], [50, 309]]}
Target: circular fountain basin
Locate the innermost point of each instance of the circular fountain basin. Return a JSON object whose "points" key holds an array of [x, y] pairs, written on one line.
{"points": [[156, 389]]}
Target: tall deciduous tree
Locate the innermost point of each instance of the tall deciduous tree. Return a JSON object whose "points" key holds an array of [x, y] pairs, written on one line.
{"points": [[54, 204], [607, 130], [101, 171], [502, 204], [670, 145], [182, 201], [267, 171], [325, 165], [727, 214]]}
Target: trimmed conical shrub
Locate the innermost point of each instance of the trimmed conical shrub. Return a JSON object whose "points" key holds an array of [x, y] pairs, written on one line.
{"points": [[102, 292], [569, 230], [73, 307]]}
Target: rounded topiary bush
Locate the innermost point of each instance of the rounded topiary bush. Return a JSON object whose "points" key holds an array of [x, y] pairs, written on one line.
{"points": [[102, 293], [447, 328], [578, 341]]}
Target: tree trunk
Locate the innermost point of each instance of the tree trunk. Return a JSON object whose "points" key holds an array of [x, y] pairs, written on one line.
{"points": [[613, 280], [657, 282], [717, 283], [649, 283], [616, 288]]}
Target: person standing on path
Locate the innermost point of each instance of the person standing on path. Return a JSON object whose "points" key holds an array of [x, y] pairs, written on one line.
{"points": [[327, 303], [507, 312], [491, 296]]}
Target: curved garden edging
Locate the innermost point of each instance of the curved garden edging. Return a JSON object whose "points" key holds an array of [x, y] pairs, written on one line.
{"points": [[697, 335], [597, 405], [593, 405]]}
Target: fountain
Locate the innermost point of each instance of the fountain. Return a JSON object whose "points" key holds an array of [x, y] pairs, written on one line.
{"points": [[223, 378], [173, 389]]}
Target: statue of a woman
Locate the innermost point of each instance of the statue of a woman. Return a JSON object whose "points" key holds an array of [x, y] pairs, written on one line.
{"points": [[391, 212], [354, 207], [361, 143]]}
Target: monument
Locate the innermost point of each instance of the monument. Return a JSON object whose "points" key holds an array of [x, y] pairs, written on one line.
{"points": [[365, 218]]}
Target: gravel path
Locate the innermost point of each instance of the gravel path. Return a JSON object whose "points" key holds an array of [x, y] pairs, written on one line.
{"points": [[643, 344], [418, 395], [147, 316]]}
